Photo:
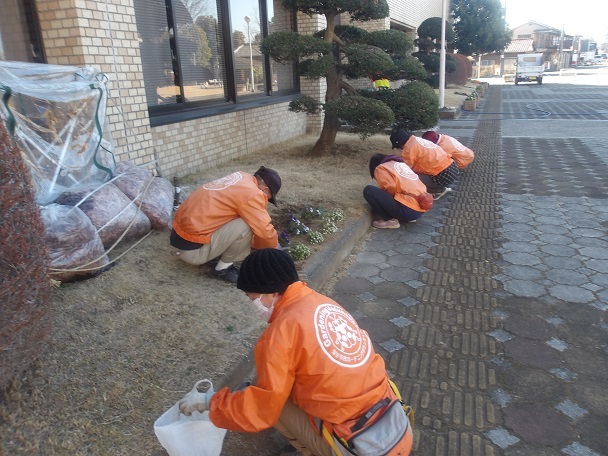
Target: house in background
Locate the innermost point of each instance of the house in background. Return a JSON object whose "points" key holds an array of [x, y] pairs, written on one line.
{"points": [[178, 84], [553, 43], [504, 63], [557, 48]]}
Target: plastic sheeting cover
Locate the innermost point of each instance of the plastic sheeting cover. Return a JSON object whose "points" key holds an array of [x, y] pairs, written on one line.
{"points": [[57, 116]]}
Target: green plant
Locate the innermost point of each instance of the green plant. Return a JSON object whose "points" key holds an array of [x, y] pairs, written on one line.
{"points": [[341, 53], [310, 213], [299, 251], [328, 227], [314, 237], [415, 105], [336, 215]]}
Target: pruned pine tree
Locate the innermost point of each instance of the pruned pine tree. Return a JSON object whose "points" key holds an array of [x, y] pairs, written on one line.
{"points": [[341, 53]]}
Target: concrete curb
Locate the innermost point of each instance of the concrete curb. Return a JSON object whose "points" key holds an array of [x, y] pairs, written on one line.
{"points": [[316, 271]]}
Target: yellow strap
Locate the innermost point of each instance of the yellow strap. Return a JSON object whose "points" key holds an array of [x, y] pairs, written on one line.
{"points": [[330, 439], [409, 411]]}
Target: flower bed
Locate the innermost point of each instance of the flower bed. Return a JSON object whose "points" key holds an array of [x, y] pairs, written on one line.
{"points": [[301, 229]]}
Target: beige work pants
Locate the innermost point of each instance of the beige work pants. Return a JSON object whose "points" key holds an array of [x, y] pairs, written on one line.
{"points": [[232, 241], [295, 427]]}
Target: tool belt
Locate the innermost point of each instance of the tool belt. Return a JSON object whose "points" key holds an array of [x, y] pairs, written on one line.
{"points": [[383, 430]]}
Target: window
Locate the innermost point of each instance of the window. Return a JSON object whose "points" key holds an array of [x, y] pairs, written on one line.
{"points": [[20, 38], [202, 57]]}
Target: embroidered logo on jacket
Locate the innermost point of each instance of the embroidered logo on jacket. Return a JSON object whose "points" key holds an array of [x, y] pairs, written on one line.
{"points": [[222, 183], [405, 171], [426, 143], [340, 337]]}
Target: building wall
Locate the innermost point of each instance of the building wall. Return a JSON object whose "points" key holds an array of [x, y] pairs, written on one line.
{"points": [[103, 34], [410, 13]]}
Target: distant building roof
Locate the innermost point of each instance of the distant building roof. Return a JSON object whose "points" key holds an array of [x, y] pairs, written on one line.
{"points": [[540, 25], [520, 45]]}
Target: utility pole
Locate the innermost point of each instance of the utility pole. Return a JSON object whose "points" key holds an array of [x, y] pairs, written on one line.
{"points": [[442, 57], [248, 20]]}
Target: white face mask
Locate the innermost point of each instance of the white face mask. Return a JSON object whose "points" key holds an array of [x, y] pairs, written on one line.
{"points": [[262, 311]]}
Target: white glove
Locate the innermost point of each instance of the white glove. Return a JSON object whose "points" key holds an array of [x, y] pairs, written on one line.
{"points": [[195, 400]]}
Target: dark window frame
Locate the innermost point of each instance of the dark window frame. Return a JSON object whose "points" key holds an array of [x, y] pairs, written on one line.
{"points": [[183, 110]]}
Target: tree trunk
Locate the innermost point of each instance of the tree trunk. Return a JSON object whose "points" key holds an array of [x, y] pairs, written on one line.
{"points": [[327, 139], [324, 144]]}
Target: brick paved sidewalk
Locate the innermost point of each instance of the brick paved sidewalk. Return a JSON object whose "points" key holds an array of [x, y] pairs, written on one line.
{"points": [[490, 311]]}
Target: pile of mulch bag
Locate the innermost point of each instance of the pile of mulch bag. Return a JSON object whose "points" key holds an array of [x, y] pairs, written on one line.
{"points": [[83, 224]]}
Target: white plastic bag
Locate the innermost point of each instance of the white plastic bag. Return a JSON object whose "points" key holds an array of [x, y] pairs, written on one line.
{"points": [[193, 435]]}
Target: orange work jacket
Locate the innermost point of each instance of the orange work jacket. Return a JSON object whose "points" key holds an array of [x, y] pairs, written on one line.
{"points": [[425, 157], [399, 180], [460, 153], [218, 202], [314, 352]]}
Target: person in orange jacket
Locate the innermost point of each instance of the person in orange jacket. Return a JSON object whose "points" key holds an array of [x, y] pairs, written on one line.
{"points": [[400, 194], [226, 217], [314, 365], [460, 153], [435, 167]]}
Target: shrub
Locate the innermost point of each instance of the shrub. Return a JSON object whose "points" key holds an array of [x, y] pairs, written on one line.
{"points": [[25, 287], [415, 105], [463, 71]]}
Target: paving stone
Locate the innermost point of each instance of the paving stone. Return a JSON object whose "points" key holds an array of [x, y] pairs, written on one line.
{"points": [[571, 294], [396, 274], [563, 373], [519, 258], [559, 345], [501, 335], [586, 232], [599, 305], [532, 353], [529, 327], [538, 424], [501, 397], [513, 246], [363, 270], [558, 263], [558, 250], [566, 277], [409, 301], [571, 409], [352, 285], [521, 272], [577, 449], [391, 345], [502, 438], [366, 297], [525, 288], [371, 257], [555, 320], [401, 322]]}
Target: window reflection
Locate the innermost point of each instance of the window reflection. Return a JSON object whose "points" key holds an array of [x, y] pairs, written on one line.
{"points": [[250, 77]]}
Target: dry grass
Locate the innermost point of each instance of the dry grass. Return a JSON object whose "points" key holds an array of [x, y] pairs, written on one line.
{"points": [[127, 344]]}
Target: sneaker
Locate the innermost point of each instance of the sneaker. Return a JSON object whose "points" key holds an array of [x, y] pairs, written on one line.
{"points": [[436, 196], [390, 224], [230, 274]]}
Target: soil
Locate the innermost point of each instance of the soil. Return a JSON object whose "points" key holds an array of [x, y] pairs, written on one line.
{"points": [[127, 344]]}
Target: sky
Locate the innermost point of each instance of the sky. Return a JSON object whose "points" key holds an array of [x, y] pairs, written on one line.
{"points": [[583, 17]]}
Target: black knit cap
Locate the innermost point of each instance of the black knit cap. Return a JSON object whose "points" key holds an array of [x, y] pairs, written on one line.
{"points": [[267, 271], [399, 138]]}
